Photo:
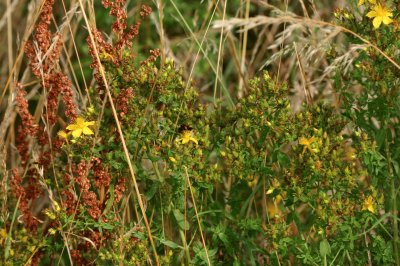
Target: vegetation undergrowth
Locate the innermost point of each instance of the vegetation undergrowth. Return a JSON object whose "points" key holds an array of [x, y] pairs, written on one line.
{"points": [[142, 168]]}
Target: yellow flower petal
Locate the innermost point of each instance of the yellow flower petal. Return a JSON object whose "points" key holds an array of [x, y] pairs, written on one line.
{"points": [[387, 20], [87, 131], [56, 206], [361, 2], [194, 140], [50, 214], [371, 14], [71, 127], [62, 134], [185, 140], [377, 22], [91, 109], [3, 233], [77, 133]]}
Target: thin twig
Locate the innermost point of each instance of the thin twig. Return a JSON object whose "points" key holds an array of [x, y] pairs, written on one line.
{"points": [[197, 217]]}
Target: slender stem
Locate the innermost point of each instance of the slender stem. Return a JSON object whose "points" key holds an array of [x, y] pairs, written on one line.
{"points": [[393, 198], [242, 80], [185, 247], [219, 54], [162, 34], [197, 217]]}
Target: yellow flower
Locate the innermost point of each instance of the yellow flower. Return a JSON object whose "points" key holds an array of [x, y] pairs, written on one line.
{"points": [[369, 204], [56, 206], [62, 134], [307, 142], [91, 109], [50, 214], [80, 126], [106, 56], [273, 207], [186, 137], [172, 159], [3, 235], [380, 14], [361, 2], [275, 184], [252, 181], [270, 190]]}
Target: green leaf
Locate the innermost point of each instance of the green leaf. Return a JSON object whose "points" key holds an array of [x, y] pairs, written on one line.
{"points": [[110, 201], [264, 132], [106, 226], [180, 218], [170, 244], [283, 159], [380, 137], [396, 167], [324, 248], [224, 238], [152, 191]]}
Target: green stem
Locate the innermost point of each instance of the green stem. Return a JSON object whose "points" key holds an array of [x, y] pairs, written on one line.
{"points": [[185, 246], [394, 203], [395, 223], [8, 241]]}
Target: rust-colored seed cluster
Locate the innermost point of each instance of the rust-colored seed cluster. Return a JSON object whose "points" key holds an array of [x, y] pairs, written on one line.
{"points": [[56, 83], [89, 197], [123, 99], [101, 176], [27, 130], [124, 40], [69, 203], [30, 128], [146, 11], [102, 181], [43, 54], [42, 40], [77, 257], [31, 223], [153, 57], [119, 190]]}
